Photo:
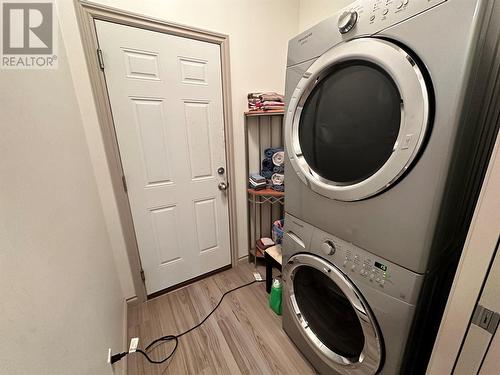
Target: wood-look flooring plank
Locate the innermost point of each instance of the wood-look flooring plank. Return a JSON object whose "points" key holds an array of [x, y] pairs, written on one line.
{"points": [[243, 336]]}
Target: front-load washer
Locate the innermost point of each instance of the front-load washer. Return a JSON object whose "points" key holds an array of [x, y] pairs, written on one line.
{"points": [[377, 140], [347, 310]]}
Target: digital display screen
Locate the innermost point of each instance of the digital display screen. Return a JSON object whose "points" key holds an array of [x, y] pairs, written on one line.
{"points": [[383, 267]]}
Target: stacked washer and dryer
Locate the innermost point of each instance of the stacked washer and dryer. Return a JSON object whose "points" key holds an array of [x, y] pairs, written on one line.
{"points": [[386, 143]]}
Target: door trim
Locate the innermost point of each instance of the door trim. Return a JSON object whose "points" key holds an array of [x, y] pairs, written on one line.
{"points": [[87, 12]]}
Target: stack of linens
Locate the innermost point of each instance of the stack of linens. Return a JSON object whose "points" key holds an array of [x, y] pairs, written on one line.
{"points": [[257, 182], [273, 168], [265, 101]]}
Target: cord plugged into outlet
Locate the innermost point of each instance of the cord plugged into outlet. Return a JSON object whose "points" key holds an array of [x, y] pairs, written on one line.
{"points": [[175, 338], [112, 358]]}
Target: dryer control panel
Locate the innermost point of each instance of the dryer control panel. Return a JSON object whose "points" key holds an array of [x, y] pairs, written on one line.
{"points": [[374, 15], [361, 18]]}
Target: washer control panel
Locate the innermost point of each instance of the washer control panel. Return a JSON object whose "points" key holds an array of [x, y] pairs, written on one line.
{"points": [[374, 271], [359, 265], [364, 267]]}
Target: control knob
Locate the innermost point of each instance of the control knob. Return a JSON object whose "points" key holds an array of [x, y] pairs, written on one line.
{"points": [[328, 248], [347, 20]]}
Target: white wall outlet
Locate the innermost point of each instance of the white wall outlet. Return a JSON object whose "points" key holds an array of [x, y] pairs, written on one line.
{"points": [[109, 356], [257, 276], [134, 343]]}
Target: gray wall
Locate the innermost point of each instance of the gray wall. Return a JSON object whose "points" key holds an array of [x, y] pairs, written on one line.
{"points": [[61, 303]]}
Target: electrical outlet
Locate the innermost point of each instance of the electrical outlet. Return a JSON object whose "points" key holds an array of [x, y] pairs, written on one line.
{"points": [[109, 356], [257, 276], [134, 343]]}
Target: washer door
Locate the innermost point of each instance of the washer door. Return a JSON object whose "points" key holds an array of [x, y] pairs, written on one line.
{"points": [[357, 119], [332, 315]]}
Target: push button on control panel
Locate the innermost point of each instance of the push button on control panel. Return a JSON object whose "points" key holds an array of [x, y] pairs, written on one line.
{"points": [[366, 267]]}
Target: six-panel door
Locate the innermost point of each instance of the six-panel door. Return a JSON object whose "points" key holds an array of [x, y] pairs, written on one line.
{"points": [[166, 98]]}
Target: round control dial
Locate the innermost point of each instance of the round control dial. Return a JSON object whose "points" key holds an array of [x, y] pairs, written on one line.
{"points": [[328, 248], [347, 20]]}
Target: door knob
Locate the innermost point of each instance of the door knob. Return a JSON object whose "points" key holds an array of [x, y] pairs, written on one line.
{"points": [[223, 186], [221, 170]]}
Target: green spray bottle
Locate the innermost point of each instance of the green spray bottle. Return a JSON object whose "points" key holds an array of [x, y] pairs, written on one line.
{"points": [[275, 296]]}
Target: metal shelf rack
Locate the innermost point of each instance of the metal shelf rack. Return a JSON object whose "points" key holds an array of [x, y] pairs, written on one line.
{"points": [[263, 129]]}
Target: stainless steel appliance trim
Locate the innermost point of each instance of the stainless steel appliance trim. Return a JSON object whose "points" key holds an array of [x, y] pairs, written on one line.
{"points": [[414, 115]]}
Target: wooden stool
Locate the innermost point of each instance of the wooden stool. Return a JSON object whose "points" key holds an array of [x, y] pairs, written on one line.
{"points": [[273, 257]]}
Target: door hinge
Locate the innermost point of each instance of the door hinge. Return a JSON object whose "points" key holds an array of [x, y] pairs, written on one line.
{"points": [[143, 277], [486, 319], [124, 182], [100, 59]]}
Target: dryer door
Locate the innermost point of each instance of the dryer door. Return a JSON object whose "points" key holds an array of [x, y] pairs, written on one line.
{"points": [[332, 315], [357, 119]]}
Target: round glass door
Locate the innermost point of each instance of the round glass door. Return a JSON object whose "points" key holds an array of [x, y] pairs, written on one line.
{"points": [[357, 119], [332, 315], [342, 142], [335, 323]]}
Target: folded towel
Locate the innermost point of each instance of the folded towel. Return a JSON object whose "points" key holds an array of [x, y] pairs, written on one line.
{"points": [[257, 178], [270, 102], [257, 187], [253, 183], [253, 95], [278, 179], [267, 174], [280, 188], [271, 107], [267, 164], [269, 152], [258, 101], [266, 241], [279, 169], [271, 96], [279, 158]]}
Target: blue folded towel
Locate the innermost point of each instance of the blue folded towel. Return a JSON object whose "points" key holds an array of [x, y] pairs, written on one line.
{"points": [[267, 164], [280, 188], [269, 152], [279, 169], [267, 174]]}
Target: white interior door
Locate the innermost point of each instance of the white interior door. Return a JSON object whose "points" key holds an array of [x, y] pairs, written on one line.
{"points": [[166, 98]]}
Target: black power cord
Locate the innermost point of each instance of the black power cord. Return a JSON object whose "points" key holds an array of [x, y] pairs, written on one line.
{"points": [[175, 338]]}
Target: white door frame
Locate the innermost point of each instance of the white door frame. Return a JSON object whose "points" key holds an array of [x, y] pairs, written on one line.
{"points": [[87, 12]]}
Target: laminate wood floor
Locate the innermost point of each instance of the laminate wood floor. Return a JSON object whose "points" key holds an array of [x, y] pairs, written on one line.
{"points": [[243, 336]]}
